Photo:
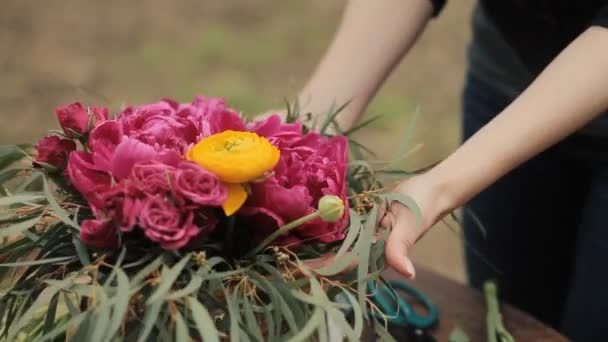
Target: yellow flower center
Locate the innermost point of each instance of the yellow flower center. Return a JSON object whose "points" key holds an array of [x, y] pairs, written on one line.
{"points": [[236, 158]]}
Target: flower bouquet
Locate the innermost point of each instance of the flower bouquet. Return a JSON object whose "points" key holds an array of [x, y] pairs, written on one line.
{"points": [[183, 222]]}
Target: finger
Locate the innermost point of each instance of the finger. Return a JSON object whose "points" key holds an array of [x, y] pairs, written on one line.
{"points": [[401, 240]]}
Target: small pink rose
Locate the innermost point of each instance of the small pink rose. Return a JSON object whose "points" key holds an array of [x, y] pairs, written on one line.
{"points": [[198, 185], [165, 224], [99, 234], [54, 151], [73, 119], [152, 177]]}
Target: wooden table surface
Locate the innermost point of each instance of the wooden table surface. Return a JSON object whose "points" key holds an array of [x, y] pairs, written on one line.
{"points": [[463, 306]]}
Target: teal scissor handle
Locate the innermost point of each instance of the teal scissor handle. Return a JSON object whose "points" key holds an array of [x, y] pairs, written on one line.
{"points": [[396, 310]]}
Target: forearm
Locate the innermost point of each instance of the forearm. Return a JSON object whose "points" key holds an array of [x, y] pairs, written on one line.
{"points": [[371, 39], [571, 91]]}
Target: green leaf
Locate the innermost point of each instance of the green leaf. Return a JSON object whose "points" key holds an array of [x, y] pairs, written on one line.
{"points": [[59, 329], [193, 286], [458, 335], [18, 228], [144, 272], [70, 305], [10, 154], [310, 327], [363, 250], [43, 300], [63, 215], [21, 198], [331, 116], [380, 330], [50, 313], [32, 183], [101, 319], [7, 175], [181, 330], [37, 262], [233, 313], [203, 320], [81, 250], [408, 202], [121, 303], [115, 268], [402, 150], [362, 125], [250, 319], [150, 317], [168, 279]]}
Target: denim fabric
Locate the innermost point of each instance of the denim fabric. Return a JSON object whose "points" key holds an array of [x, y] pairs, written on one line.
{"points": [[546, 227]]}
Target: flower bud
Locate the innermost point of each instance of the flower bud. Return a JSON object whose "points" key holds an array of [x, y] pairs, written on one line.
{"points": [[331, 208]]}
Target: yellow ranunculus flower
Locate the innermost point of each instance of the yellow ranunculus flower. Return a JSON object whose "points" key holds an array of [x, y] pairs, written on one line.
{"points": [[236, 158]]}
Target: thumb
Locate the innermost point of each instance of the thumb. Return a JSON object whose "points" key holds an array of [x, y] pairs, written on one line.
{"points": [[403, 235]]}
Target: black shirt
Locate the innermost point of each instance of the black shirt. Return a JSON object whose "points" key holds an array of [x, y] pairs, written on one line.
{"points": [[539, 29]]}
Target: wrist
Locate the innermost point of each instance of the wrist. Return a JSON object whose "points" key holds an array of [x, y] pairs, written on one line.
{"points": [[441, 197]]}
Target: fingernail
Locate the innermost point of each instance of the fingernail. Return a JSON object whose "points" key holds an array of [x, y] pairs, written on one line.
{"points": [[409, 267]]}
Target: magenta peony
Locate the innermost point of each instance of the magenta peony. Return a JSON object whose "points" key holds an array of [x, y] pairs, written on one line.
{"points": [[85, 177], [54, 151], [310, 167]]}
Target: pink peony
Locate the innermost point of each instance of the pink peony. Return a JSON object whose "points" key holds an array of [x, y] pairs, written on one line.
{"points": [[54, 151], [198, 185], [131, 151], [100, 114], [165, 224], [103, 141], [73, 119], [85, 177], [159, 125], [310, 167], [99, 234]]}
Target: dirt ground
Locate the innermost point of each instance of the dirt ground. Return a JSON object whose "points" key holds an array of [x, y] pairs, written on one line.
{"points": [[253, 52]]}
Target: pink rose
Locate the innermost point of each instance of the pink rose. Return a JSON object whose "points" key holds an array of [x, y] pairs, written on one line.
{"points": [[309, 168], [73, 119], [85, 177], [99, 234], [54, 151], [122, 204], [152, 177], [198, 185], [165, 224], [100, 114]]}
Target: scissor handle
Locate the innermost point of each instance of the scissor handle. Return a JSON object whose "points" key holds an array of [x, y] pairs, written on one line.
{"points": [[397, 310], [420, 321]]}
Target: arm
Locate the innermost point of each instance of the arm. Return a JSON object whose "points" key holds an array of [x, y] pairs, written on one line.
{"points": [[371, 39], [569, 93]]}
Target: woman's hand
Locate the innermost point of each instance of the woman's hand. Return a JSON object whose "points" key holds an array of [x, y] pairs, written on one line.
{"points": [[405, 231]]}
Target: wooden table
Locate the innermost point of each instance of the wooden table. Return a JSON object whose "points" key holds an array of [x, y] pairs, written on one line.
{"points": [[463, 306]]}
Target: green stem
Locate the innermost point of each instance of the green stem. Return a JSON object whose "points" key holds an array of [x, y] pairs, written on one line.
{"points": [[291, 225], [495, 326]]}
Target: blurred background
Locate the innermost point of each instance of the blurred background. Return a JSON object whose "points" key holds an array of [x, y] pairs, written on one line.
{"points": [[255, 53]]}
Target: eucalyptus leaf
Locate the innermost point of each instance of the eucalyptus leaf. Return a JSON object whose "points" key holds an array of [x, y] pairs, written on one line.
{"points": [[167, 280], [121, 303], [310, 327], [150, 318], [81, 251], [18, 228], [203, 320], [253, 325], [144, 272], [365, 242], [193, 286], [51, 313], [458, 335], [21, 198], [63, 215], [37, 262], [181, 329], [42, 301]]}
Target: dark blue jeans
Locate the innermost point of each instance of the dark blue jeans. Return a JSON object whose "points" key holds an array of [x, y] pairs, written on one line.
{"points": [[547, 227]]}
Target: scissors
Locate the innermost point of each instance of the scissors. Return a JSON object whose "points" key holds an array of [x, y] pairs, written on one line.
{"points": [[396, 310]]}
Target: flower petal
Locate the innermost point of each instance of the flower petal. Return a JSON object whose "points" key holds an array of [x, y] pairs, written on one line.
{"points": [[236, 198]]}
